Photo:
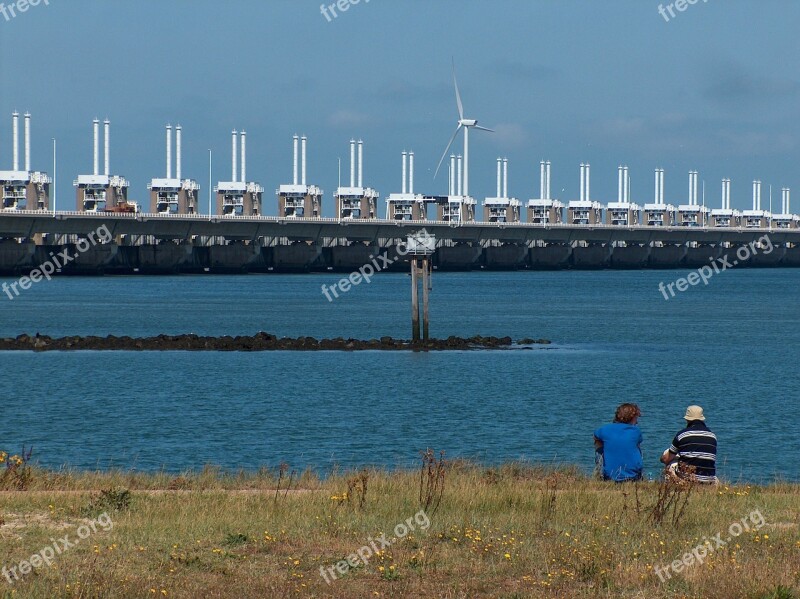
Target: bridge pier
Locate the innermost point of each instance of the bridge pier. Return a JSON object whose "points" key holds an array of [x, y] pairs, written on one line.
{"points": [[168, 258], [630, 257], [17, 258], [506, 257], [551, 257], [591, 257]]}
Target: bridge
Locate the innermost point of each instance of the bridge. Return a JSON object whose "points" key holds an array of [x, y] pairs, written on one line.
{"points": [[199, 243]]}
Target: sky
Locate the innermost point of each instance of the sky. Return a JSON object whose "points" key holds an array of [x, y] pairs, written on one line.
{"points": [[715, 88]]}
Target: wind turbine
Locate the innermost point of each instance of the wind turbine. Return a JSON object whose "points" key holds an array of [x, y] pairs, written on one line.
{"points": [[466, 125]]}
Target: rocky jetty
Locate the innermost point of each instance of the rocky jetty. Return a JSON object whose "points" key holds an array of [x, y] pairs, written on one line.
{"points": [[259, 342]]}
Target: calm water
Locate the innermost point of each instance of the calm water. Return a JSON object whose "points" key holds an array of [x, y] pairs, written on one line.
{"points": [[731, 347]]}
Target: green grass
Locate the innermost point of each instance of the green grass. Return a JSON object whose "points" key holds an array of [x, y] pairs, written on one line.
{"points": [[516, 531]]}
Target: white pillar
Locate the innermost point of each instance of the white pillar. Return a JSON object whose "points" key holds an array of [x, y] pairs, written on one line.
{"points": [[405, 173], [459, 176], [542, 181], [361, 164], [452, 175], [759, 196], [296, 151], [728, 195], [352, 163], [505, 177], [465, 178], [661, 190], [107, 126], [696, 188], [658, 176], [96, 124], [582, 195], [179, 158], [723, 194], [626, 192], [234, 155], [27, 142], [15, 141], [411, 172], [169, 151], [303, 154], [588, 183], [547, 185], [243, 165], [499, 177], [788, 201]]}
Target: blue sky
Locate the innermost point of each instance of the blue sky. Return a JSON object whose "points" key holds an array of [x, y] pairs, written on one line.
{"points": [[716, 89]]}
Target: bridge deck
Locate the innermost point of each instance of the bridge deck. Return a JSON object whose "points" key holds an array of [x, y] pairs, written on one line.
{"points": [[318, 230]]}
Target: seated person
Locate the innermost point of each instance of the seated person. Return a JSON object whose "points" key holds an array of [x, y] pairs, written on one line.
{"points": [[693, 453], [619, 443]]}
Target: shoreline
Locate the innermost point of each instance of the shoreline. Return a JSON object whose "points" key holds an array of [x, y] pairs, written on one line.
{"points": [[222, 478]]}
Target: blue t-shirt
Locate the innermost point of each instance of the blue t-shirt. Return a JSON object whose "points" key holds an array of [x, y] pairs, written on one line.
{"points": [[622, 458]]}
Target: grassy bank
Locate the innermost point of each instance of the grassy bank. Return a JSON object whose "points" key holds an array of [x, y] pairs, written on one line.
{"points": [[515, 531]]}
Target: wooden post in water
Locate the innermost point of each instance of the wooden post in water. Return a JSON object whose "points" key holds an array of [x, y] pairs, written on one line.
{"points": [[426, 285], [419, 249], [414, 300]]}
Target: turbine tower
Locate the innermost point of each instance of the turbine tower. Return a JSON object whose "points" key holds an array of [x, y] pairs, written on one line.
{"points": [[466, 125]]}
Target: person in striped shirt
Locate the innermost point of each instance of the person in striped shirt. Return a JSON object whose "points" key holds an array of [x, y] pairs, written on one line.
{"points": [[693, 453]]}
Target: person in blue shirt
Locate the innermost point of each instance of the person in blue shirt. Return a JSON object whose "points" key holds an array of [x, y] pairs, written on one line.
{"points": [[620, 445]]}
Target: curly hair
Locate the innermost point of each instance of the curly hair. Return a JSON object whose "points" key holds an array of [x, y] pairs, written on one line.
{"points": [[627, 412]]}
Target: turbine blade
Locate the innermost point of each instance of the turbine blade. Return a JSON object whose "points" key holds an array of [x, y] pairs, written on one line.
{"points": [[458, 94], [483, 128], [446, 150]]}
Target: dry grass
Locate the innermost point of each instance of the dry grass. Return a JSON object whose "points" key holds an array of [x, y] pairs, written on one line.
{"points": [[510, 532]]}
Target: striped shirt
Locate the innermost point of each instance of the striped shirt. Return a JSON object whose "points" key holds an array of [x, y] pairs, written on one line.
{"points": [[696, 446]]}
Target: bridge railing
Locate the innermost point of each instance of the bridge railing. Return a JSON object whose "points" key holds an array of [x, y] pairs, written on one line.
{"points": [[400, 224]]}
